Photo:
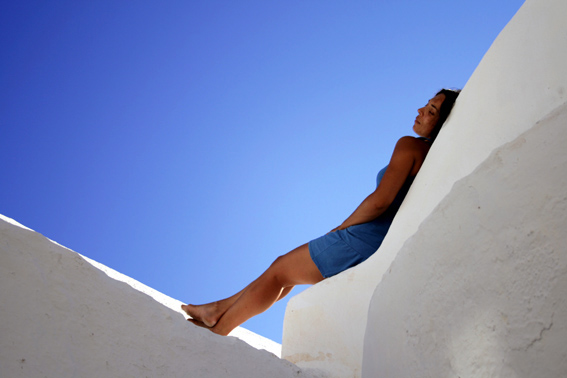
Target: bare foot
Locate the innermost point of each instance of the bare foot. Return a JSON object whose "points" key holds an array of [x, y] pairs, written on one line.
{"points": [[198, 323], [206, 314], [212, 329]]}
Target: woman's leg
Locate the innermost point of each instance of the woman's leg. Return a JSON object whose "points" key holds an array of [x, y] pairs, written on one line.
{"points": [[209, 314], [293, 268]]}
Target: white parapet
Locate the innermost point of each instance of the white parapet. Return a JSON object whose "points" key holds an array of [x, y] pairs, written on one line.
{"points": [[63, 315], [520, 80]]}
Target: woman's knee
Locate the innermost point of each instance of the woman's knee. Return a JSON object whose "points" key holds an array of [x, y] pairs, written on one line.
{"points": [[279, 270]]}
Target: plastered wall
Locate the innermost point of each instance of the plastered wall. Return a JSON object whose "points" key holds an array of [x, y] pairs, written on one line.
{"points": [[479, 290], [63, 315], [520, 80]]}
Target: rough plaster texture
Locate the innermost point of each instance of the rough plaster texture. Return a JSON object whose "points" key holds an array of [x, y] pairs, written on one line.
{"points": [[520, 80], [484, 300], [488, 273], [63, 315]]}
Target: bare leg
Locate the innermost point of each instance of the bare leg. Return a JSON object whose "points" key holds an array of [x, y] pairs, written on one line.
{"points": [[294, 268], [208, 314]]}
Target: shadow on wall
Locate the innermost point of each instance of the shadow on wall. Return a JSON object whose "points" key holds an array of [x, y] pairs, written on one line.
{"points": [[488, 272], [520, 80]]}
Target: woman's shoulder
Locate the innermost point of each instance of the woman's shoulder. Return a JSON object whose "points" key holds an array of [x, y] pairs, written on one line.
{"points": [[411, 148], [410, 142], [410, 151]]}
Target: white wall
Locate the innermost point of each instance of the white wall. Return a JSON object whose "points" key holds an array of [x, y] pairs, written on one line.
{"points": [[520, 80], [62, 315], [479, 290]]}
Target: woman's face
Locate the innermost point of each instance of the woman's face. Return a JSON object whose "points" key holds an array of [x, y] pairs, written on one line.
{"points": [[428, 116]]}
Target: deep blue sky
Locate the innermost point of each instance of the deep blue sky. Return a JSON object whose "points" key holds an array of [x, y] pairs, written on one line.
{"points": [[187, 144]]}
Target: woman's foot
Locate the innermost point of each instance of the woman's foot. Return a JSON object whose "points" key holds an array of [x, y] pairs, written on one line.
{"points": [[207, 314], [198, 323], [203, 325]]}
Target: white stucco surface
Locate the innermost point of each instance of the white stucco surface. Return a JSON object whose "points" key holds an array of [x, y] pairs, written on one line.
{"points": [[520, 80], [479, 290], [63, 315], [469, 282]]}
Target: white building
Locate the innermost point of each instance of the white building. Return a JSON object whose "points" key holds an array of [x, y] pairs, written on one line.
{"points": [[470, 281]]}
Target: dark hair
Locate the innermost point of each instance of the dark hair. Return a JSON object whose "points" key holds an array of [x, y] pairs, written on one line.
{"points": [[450, 97]]}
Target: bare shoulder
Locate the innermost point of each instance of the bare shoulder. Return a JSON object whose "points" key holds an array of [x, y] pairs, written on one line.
{"points": [[409, 144], [410, 151]]}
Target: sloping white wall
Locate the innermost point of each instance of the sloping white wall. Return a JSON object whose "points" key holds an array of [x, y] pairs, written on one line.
{"points": [[62, 315], [521, 79], [479, 290]]}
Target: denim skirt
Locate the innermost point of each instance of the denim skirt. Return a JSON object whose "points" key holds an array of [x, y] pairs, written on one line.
{"points": [[343, 249]]}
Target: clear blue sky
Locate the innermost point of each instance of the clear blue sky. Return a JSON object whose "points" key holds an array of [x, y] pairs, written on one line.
{"points": [[187, 144]]}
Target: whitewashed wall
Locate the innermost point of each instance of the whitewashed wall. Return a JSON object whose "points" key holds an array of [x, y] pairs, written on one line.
{"points": [[63, 315], [521, 79], [479, 290]]}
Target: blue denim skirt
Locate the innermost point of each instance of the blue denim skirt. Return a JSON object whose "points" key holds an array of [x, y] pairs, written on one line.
{"points": [[343, 249]]}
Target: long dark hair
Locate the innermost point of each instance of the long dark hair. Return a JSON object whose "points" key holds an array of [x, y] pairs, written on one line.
{"points": [[446, 107]]}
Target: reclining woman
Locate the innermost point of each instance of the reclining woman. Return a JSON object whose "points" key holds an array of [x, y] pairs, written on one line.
{"points": [[349, 244]]}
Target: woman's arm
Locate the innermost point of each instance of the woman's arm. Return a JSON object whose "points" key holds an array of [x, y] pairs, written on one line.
{"points": [[406, 161]]}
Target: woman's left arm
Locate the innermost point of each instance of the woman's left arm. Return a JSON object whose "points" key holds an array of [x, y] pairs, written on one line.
{"points": [[405, 161]]}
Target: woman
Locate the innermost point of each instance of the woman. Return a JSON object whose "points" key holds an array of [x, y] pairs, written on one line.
{"points": [[358, 237]]}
